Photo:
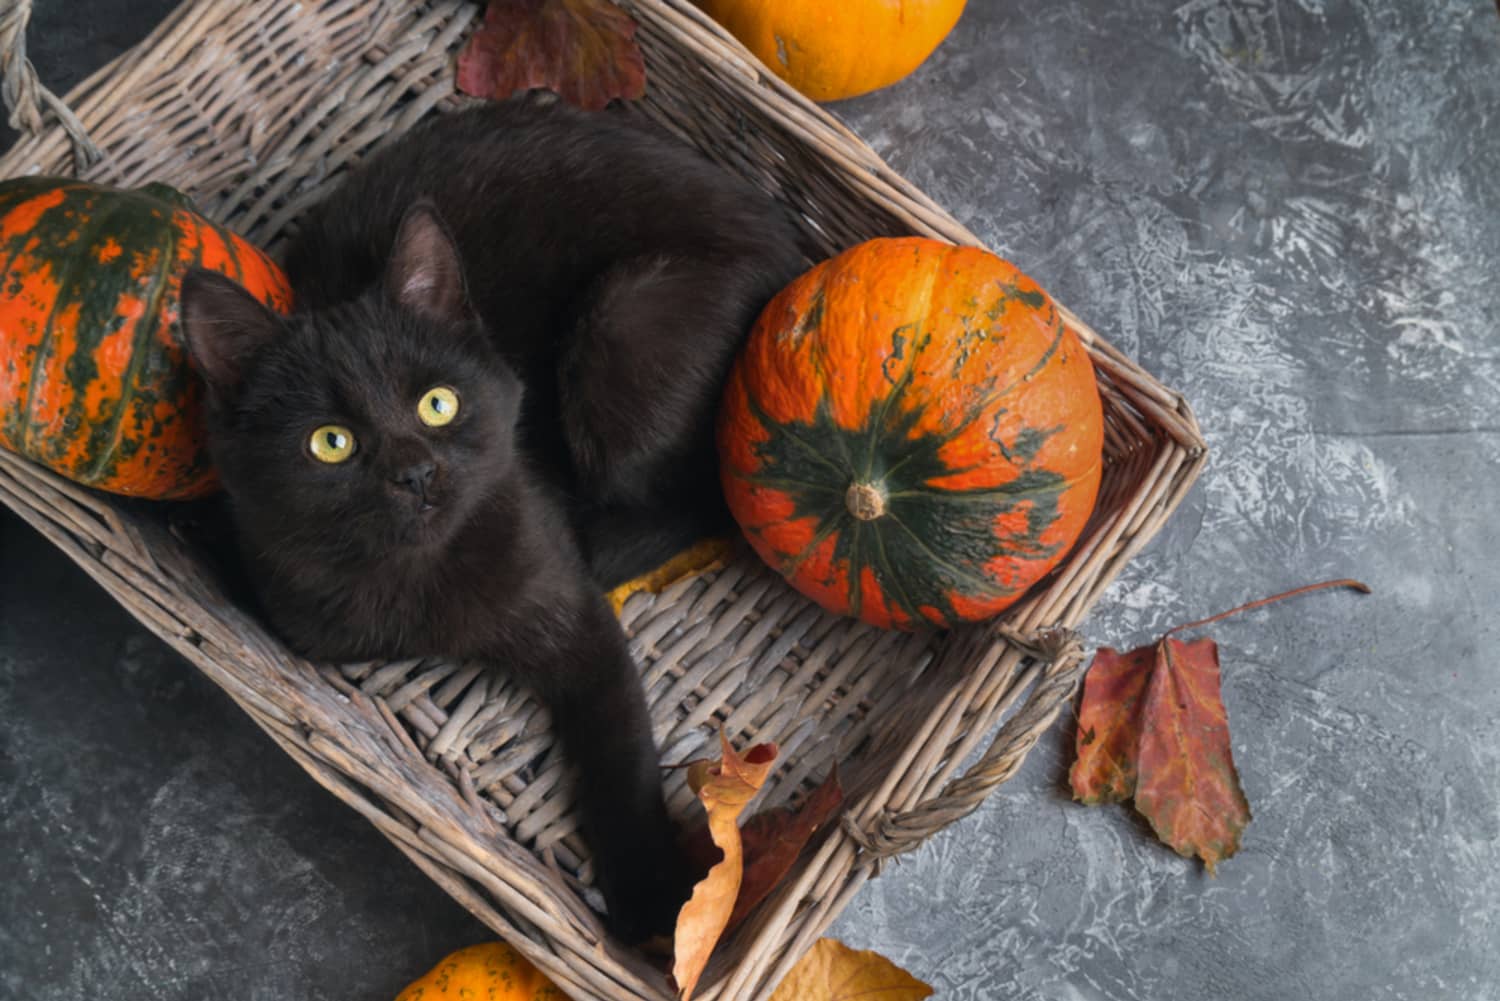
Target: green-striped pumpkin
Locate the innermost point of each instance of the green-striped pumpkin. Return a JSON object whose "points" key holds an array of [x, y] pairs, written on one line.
{"points": [[911, 435], [94, 382]]}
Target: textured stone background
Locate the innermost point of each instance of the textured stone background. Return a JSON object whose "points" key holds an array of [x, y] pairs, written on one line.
{"points": [[1289, 209]]}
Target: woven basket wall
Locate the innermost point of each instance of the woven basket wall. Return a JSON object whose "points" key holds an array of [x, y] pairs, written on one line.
{"points": [[254, 109]]}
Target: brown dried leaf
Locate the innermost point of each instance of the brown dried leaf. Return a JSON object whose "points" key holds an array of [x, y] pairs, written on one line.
{"points": [[1152, 725], [1109, 725], [583, 50], [775, 838], [831, 971], [1188, 788], [725, 788]]}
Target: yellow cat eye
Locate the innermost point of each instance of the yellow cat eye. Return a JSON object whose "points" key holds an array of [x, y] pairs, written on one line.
{"points": [[438, 407], [331, 443]]}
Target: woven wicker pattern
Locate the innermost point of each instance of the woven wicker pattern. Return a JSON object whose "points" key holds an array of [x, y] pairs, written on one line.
{"points": [[254, 109]]}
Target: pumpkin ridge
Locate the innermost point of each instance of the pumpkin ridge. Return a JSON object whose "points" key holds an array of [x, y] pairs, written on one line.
{"points": [[16, 418], [227, 239], [856, 576], [1041, 515], [17, 247], [7, 205], [922, 308], [876, 423], [982, 583], [1000, 492], [1059, 332], [794, 563], [785, 483], [49, 330], [948, 435], [780, 427], [845, 451], [890, 572], [143, 334]]}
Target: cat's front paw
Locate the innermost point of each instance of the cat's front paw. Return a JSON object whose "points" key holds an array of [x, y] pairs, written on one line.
{"points": [[644, 895]]}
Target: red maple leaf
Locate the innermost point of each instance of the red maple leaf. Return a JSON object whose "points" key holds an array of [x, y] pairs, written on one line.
{"points": [[1152, 726], [583, 50]]}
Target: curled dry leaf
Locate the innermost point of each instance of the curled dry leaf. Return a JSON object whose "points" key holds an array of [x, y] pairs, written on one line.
{"points": [[583, 50], [775, 838], [831, 971], [702, 557], [1152, 726], [725, 788]]}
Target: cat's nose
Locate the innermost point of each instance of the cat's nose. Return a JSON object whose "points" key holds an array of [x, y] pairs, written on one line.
{"points": [[416, 478]]}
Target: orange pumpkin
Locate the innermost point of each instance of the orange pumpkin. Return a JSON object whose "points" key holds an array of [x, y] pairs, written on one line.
{"points": [[94, 382], [911, 435], [489, 972], [833, 49]]}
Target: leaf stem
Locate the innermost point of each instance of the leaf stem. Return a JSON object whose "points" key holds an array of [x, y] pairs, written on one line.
{"points": [[1342, 582]]}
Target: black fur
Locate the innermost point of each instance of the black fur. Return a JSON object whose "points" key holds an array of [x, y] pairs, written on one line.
{"points": [[582, 285]]}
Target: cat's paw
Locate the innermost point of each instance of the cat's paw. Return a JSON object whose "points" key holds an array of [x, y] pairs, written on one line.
{"points": [[643, 898]]}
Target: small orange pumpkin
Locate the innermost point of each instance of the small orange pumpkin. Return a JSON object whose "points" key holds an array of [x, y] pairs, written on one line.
{"points": [[492, 971], [94, 382], [833, 49], [911, 435]]}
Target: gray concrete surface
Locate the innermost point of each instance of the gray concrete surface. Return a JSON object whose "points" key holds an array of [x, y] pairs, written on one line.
{"points": [[1290, 209]]}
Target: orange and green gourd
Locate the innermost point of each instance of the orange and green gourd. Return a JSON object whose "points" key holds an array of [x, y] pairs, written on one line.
{"points": [[94, 381], [489, 972], [911, 435]]}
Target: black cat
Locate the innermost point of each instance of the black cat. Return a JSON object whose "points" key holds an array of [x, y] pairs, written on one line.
{"points": [[495, 399]]}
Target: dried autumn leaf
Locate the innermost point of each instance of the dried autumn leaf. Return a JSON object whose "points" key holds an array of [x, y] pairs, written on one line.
{"points": [[725, 788], [1188, 788], [701, 557], [1109, 725], [1152, 725], [773, 840], [831, 971], [583, 50]]}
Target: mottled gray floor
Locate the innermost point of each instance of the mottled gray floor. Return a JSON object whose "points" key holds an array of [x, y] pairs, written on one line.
{"points": [[1290, 209]]}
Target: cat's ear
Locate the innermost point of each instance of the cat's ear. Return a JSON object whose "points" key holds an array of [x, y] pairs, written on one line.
{"points": [[425, 274], [222, 326]]}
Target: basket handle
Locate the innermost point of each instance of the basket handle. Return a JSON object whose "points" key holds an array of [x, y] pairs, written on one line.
{"points": [[23, 92], [893, 833]]}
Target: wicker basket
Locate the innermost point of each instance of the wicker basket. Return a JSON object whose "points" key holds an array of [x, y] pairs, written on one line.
{"points": [[254, 109]]}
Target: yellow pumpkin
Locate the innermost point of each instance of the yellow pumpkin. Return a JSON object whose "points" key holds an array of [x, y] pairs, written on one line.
{"points": [[833, 49], [492, 971]]}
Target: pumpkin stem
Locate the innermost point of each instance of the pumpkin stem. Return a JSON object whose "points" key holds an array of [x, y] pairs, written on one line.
{"points": [[865, 501]]}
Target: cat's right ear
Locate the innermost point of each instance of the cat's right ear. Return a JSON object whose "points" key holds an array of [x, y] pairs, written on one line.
{"points": [[425, 273], [222, 326]]}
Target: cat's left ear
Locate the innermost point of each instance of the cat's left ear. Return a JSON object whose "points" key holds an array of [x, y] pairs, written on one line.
{"points": [[425, 273]]}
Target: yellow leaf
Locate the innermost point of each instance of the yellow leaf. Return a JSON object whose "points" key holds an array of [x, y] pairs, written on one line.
{"points": [[725, 788], [831, 971], [701, 557], [491, 970]]}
